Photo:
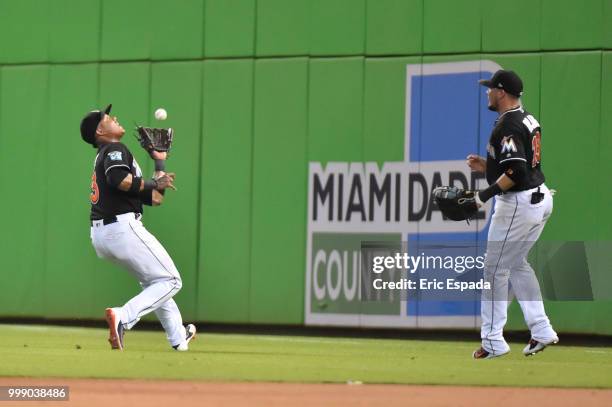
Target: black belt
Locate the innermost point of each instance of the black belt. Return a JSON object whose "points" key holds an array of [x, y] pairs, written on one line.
{"points": [[539, 195], [113, 219]]}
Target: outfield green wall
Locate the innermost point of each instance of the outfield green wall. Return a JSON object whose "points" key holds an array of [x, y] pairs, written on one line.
{"points": [[255, 90]]}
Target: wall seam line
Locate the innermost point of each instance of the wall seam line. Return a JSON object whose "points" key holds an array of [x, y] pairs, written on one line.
{"points": [[251, 188], [199, 210], [281, 57], [305, 184]]}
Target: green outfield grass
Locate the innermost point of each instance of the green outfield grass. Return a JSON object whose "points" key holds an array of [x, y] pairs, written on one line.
{"points": [[41, 351]]}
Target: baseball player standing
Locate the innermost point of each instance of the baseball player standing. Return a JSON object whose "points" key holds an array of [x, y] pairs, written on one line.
{"points": [[118, 192], [523, 205]]}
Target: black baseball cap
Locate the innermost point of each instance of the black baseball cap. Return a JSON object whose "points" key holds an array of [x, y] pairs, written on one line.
{"points": [[506, 80], [90, 122]]}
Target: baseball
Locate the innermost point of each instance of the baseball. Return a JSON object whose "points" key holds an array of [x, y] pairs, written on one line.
{"points": [[161, 114]]}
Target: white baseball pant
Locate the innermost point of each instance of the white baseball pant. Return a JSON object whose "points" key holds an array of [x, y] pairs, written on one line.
{"points": [[515, 227], [128, 244]]}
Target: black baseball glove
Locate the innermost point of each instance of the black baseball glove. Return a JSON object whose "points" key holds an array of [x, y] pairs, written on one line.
{"points": [[456, 203], [154, 139]]}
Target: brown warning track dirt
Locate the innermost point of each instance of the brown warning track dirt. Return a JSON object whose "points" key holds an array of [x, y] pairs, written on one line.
{"points": [[134, 393]]}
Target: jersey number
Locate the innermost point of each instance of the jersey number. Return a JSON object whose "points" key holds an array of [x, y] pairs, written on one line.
{"points": [[95, 191], [531, 123], [536, 147]]}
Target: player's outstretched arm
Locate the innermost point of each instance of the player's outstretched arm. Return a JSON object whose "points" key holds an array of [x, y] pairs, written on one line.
{"points": [[136, 185], [160, 168], [124, 181]]}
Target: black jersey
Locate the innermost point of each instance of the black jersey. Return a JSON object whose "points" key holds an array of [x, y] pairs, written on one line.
{"points": [[516, 137], [106, 200]]}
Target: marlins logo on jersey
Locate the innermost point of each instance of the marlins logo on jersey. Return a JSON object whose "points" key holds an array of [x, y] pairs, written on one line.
{"points": [[507, 145]]}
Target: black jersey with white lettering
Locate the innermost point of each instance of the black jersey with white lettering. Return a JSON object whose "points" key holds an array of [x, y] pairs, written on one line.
{"points": [[106, 200], [515, 137]]}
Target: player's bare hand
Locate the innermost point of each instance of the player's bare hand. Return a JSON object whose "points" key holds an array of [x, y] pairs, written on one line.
{"points": [[159, 155], [157, 198], [166, 181], [476, 163]]}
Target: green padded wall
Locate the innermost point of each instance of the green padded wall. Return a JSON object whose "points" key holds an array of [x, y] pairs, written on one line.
{"points": [[152, 29], [225, 191], [23, 143], [113, 30], [24, 29], [278, 212], [180, 32], [283, 27], [602, 309], [570, 113], [394, 27], [256, 89], [451, 26], [384, 97], [605, 143], [177, 86], [335, 109], [607, 24], [70, 258], [69, 17], [337, 27], [511, 25], [568, 24], [230, 28], [126, 30]]}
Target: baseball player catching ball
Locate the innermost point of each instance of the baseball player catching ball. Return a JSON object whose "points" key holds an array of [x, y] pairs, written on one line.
{"points": [[118, 191], [523, 205]]}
